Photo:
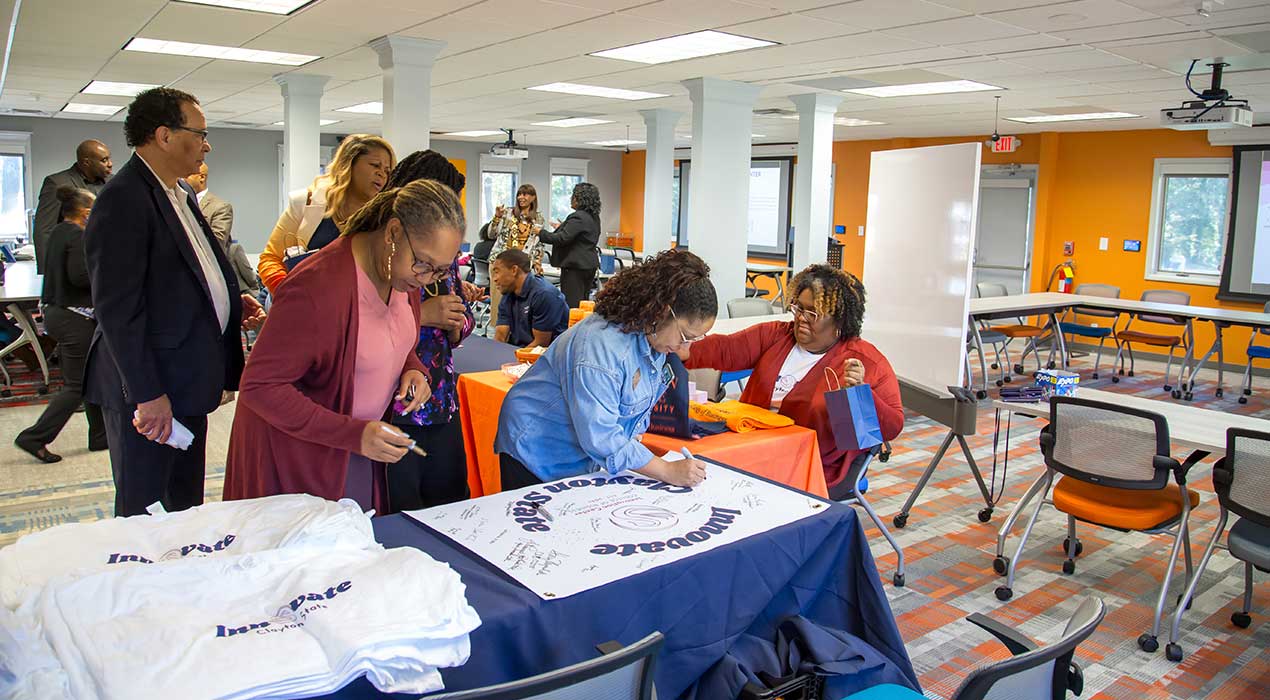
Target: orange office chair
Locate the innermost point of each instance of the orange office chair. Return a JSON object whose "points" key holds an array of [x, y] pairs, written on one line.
{"points": [[1115, 467], [1017, 330], [1184, 339]]}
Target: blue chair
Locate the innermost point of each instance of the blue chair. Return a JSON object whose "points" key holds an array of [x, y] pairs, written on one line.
{"points": [[1088, 330], [1033, 673], [1255, 352]]}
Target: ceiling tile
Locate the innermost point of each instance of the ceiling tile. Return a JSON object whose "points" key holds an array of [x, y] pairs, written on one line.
{"points": [[958, 31], [1073, 15], [792, 29], [1177, 55], [1126, 30], [1076, 58], [695, 15], [204, 24], [881, 14]]}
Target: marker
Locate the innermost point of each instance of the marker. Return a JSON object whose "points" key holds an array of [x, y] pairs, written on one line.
{"points": [[543, 510], [688, 455], [412, 446]]}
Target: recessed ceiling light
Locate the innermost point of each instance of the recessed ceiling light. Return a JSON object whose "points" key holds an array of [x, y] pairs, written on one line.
{"points": [[229, 53], [106, 87], [597, 91], [85, 108], [321, 122], [614, 142], [474, 134], [1087, 116], [273, 7], [573, 121], [938, 88], [684, 46], [364, 108]]}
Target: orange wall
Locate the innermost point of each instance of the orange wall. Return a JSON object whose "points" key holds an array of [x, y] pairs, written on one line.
{"points": [[632, 216]]}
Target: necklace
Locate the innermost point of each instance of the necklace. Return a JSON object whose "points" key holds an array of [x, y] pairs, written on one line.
{"points": [[433, 289]]}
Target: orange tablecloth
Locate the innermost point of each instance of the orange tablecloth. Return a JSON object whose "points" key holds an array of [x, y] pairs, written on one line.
{"points": [[790, 455]]}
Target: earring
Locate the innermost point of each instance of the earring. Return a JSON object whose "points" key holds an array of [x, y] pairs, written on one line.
{"points": [[838, 332], [392, 253]]}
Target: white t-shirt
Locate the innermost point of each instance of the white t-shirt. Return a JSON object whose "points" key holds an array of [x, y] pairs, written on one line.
{"points": [[797, 364]]}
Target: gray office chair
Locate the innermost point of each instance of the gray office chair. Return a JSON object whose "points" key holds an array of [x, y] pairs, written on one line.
{"points": [[1012, 331], [1185, 337], [1242, 482], [629, 254], [1073, 327], [482, 312], [1033, 673], [847, 492], [1255, 352], [749, 306], [622, 673], [976, 338]]}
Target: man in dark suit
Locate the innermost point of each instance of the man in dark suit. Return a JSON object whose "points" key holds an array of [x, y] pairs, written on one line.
{"points": [[218, 212], [167, 305], [91, 169]]}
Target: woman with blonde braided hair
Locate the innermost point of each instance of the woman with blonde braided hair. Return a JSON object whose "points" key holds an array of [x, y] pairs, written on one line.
{"points": [[338, 351], [793, 360], [583, 404]]}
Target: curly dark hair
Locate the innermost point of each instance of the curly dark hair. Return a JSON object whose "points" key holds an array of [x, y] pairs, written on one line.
{"points": [[588, 197], [636, 298], [152, 109], [426, 165], [838, 294]]}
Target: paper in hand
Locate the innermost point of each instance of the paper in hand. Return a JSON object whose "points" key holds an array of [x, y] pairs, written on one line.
{"points": [[181, 437]]}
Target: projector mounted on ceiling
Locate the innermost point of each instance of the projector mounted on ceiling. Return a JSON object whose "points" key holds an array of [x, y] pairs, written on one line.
{"points": [[1215, 108], [508, 149]]}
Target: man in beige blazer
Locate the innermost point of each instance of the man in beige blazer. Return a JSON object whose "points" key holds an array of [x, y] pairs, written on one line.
{"points": [[218, 212]]}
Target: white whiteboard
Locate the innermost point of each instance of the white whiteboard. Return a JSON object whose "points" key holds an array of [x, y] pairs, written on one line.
{"points": [[920, 237]]}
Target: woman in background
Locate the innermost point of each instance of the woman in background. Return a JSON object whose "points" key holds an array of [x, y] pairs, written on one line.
{"points": [[67, 303], [517, 228], [314, 216], [573, 244]]}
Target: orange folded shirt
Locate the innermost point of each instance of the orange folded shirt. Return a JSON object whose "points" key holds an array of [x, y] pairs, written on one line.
{"points": [[740, 417]]}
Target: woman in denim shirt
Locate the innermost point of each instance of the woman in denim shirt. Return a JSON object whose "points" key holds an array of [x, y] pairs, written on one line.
{"points": [[586, 401]]}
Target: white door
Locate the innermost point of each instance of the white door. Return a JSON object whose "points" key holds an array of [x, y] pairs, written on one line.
{"points": [[1003, 253]]}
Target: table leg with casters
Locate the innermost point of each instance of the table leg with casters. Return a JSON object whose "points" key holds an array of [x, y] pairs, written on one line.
{"points": [[29, 335], [1217, 347], [901, 519]]}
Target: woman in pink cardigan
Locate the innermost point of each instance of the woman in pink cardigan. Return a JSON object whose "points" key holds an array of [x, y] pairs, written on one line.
{"points": [[338, 348], [791, 360]]}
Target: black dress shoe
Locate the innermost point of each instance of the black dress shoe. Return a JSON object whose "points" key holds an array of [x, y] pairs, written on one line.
{"points": [[39, 452], [98, 446]]}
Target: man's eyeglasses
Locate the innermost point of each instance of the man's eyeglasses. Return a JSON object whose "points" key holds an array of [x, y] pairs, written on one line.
{"points": [[682, 336], [810, 315], [202, 133]]}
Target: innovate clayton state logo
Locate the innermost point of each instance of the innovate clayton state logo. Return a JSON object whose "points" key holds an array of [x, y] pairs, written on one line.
{"points": [[289, 616], [196, 549]]}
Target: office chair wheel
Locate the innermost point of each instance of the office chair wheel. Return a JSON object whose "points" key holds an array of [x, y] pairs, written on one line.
{"points": [[1000, 565], [1018, 369], [1177, 394], [1148, 643], [898, 580], [985, 515], [1007, 379], [1080, 547], [1168, 387], [1004, 593], [900, 520], [1130, 373], [1050, 365], [981, 394], [1173, 652], [1242, 399], [999, 382], [1069, 566], [1179, 601], [995, 366], [1188, 396], [43, 389], [1219, 393], [1115, 379], [1095, 375], [1241, 620], [6, 393]]}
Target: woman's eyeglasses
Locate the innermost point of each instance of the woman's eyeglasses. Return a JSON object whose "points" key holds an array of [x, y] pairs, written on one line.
{"points": [[682, 336], [810, 315]]}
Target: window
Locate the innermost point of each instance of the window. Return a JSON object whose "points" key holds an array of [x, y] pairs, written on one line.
{"points": [[499, 179], [674, 205], [16, 194], [1189, 206], [566, 173]]}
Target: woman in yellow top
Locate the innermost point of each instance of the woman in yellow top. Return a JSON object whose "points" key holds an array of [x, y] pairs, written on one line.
{"points": [[517, 228], [315, 216]]}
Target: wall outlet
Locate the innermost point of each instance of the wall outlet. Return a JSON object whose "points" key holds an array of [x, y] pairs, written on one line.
{"points": [[860, 231], [1102, 243]]}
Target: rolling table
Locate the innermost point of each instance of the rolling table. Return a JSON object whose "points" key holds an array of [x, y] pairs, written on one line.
{"points": [[21, 291], [777, 272]]}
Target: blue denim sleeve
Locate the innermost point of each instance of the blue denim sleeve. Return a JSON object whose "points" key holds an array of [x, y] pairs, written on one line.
{"points": [[591, 393]]}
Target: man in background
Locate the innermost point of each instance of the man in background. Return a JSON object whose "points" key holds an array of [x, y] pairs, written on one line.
{"points": [[91, 169], [218, 212], [531, 312]]}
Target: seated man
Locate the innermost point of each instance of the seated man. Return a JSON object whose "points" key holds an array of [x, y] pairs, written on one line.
{"points": [[532, 312]]}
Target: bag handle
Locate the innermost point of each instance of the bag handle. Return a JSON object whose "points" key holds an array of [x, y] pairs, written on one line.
{"points": [[831, 374]]}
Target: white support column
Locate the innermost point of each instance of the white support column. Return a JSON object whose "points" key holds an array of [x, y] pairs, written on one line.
{"points": [[301, 135], [659, 175], [407, 66], [719, 186], [812, 217]]}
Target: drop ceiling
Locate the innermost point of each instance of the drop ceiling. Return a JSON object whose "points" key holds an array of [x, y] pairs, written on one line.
{"points": [[1049, 58]]}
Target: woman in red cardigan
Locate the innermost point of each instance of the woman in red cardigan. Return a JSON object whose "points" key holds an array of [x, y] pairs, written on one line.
{"points": [[790, 360], [338, 348]]}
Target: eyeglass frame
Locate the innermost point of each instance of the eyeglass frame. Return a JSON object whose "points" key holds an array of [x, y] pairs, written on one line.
{"points": [[797, 309], [433, 271], [202, 133], [686, 340]]}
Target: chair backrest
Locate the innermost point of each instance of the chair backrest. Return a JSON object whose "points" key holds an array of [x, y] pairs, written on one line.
{"points": [[482, 272], [1107, 444], [1093, 289], [1040, 674], [990, 289], [630, 253], [745, 307], [625, 674], [1165, 296], [1242, 477]]}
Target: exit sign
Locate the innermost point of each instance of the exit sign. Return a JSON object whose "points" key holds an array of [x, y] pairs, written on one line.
{"points": [[1004, 144]]}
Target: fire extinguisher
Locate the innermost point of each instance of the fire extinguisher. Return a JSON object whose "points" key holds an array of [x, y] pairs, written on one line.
{"points": [[1065, 273]]}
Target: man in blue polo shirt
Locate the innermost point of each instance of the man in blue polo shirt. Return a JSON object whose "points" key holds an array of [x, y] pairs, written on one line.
{"points": [[532, 312]]}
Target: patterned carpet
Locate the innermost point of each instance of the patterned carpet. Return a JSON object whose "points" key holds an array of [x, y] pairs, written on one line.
{"points": [[949, 558]]}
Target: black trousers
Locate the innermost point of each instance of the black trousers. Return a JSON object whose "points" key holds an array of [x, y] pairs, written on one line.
{"points": [[73, 334], [513, 474], [576, 284], [146, 471], [423, 482]]}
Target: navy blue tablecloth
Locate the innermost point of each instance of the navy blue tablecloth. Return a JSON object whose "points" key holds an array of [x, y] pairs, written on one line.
{"points": [[711, 607], [480, 354]]}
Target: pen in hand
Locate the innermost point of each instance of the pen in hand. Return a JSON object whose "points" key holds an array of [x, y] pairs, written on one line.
{"points": [[413, 447]]}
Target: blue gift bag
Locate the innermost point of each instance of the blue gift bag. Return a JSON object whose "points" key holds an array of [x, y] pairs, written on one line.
{"points": [[853, 416]]}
